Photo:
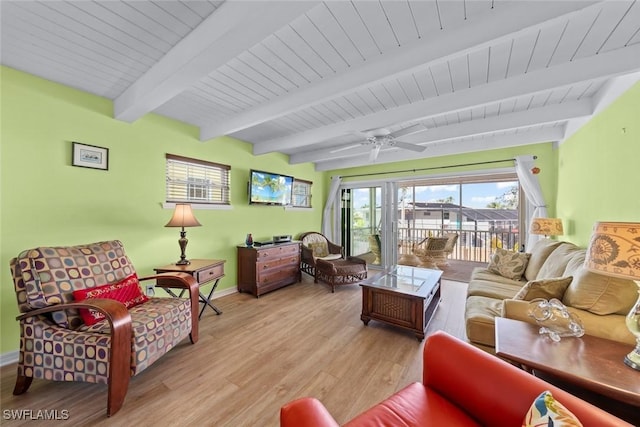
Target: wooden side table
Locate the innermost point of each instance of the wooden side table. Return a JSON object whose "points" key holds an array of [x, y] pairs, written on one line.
{"points": [[587, 363], [204, 271]]}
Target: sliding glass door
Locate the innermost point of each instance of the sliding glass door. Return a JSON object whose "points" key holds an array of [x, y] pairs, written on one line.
{"points": [[385, 221]]}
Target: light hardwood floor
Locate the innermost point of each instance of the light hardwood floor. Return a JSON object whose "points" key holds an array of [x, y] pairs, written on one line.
{"points": [[301, 340]]}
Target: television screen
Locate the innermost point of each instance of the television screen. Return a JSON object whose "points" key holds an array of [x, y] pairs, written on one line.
{"points": [[270, 188]]}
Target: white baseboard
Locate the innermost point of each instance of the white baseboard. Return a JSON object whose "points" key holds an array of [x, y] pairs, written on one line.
{"points": [[9, 358], [12, 356]]}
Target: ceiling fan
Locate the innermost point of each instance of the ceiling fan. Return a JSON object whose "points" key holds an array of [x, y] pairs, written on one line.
{"points": [[378, 138]]}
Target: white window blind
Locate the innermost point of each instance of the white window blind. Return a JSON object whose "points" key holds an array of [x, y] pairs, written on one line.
{"points": [[301, 193], [197, 181]]}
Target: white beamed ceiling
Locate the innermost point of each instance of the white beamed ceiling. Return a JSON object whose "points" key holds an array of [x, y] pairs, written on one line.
{"points": [[300, 77]]}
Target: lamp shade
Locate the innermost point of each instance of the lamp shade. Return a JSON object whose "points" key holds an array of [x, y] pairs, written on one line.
{"points": [[614, 249], [183, 217], [546, 226]]}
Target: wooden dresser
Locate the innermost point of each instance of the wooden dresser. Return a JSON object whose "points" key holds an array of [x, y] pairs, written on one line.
{"points": [[265, 268]]}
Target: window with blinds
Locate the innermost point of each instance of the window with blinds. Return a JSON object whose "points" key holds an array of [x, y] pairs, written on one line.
{"points": [[301, 193], [197, 181]]}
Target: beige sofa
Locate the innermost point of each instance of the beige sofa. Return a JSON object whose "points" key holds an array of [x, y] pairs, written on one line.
{"points": [[601, 302]]}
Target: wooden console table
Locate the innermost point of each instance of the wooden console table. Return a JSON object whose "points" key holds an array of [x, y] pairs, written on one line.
{"points": [[589, 362], [205, 271]]}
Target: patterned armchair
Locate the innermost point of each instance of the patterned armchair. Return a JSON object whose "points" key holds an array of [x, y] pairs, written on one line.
{"points": [[316, 246], [56, 344]]}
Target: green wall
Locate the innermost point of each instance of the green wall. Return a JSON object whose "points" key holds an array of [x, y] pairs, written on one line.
{"points": [[598, 169], [46, 201]]}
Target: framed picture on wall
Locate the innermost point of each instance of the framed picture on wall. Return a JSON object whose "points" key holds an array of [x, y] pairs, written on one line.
{"points": [[90, 156]]}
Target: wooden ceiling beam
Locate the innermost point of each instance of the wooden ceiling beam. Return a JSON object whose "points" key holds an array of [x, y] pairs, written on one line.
{"points": [[505, 22], [603, 65], [232, 29]]}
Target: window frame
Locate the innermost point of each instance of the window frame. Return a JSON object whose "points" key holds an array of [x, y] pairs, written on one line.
{"points": [[307, 195], [190, 185]]}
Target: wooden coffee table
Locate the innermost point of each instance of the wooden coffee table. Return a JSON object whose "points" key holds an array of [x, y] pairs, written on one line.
{"points": [[589, 362], [402, 296]]}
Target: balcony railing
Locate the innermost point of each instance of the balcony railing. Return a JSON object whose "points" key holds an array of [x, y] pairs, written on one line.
{"points": [[473, 245]]}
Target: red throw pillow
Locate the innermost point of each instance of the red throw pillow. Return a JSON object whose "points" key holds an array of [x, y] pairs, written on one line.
{"points": [[127, 291]]}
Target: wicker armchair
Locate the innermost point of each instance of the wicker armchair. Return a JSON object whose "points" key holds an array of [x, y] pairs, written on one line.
{"points": [[316, 246], [431, 251], [452, 239], [60, 342]]}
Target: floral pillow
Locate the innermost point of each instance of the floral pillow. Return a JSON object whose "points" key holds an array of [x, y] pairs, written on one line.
{"points": [[127, 291], [545, 289], [509, 264], [546, 411]]}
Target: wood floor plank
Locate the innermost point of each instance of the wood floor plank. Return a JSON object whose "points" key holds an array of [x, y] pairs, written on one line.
{"points": [[259, 354]]}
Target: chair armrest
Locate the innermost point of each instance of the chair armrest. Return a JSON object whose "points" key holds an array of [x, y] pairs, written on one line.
{"points": [[307, 254], [333, 248], [492, 390], [306, 412], [120, 321], [182, 281]]}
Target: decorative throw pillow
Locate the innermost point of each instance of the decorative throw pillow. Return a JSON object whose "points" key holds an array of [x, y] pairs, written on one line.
{"points": [[508, 264], [545, 289], [546, 411], [319, 249], [127, 291]]}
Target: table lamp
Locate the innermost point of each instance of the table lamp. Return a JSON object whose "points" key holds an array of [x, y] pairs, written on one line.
{"points": [[546, 226], [183, 217], [614, 250]]}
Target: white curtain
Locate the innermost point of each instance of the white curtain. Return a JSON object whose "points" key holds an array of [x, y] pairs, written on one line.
{"points": [[533, 191], [330, 227]]}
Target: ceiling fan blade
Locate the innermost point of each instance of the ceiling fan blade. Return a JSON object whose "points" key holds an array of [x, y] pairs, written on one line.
{"points": [[373, 154], [407, 146], [408, 131], [348, 147]]}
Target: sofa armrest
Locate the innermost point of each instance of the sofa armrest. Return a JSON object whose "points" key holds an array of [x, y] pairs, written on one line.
{"points": [[306, 412], [610, 326]]}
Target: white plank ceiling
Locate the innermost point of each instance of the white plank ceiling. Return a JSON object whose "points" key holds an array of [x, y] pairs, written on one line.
{"points": [[314, 79]]}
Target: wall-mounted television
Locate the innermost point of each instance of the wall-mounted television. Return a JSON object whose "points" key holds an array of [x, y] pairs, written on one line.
{"points": [[267, 188]]}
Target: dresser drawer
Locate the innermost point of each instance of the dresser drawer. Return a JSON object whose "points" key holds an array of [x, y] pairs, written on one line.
{"points": [[273, 276], [264, 265], [209, 274], [278, 251]]}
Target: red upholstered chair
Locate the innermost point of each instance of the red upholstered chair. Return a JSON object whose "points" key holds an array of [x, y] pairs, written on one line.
{"points": [[56, 344], [461, 386]]}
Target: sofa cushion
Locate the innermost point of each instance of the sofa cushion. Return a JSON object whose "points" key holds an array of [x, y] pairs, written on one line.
{"points": [[600, 294], [494, 289], [547, 411], [414, 405], [539, 253], [508, 264], [545, 288], [480, 314], [557, 261], [127, 291]]}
